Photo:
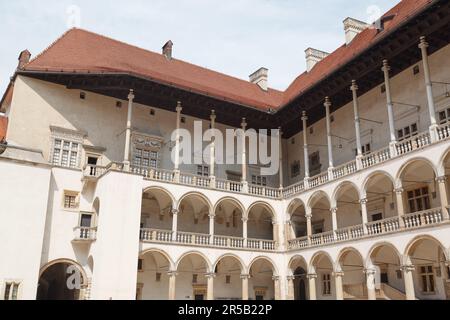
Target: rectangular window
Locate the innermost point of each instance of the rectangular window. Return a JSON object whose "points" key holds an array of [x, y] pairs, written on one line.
{"points": [[407, 132], [444, 116], [145, 159], [295, 169], [365, 149], [86, 220], [228, 279], [65, 153], [11, 291], [158, 277], [203, 171], [326, 284], [70, 200], [427, 279], [194, 278], [314, 163], [419, 200], [259, 181]]}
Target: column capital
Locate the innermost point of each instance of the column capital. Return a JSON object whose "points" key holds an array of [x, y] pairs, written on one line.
{"points": [[338, 274], [245, 276], [386, 67], [276, 278], [308, 216], [354, 86], [244, 123], [212, 215], [363, 201], [210, 275], [399, 190], [274, 222], [327, 103], [447, 264], [175, 212], [423, 43], [172, 274], [311, 276], [289, 222], [334, 210], [179, 107], [244, 219], [213, 116], [304, 116], [131, 95], [371, 272], [441, 179], [290, 278], [407, 268]]}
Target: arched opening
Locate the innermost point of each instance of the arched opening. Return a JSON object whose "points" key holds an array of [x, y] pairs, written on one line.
{"points": [[153, 278], [446, 165], [228, 283], [389, 283], [191, 283], [354, 285], [298, 227], [193, 216], [299, 271], [420, 191], [348, 205], [61, 281], [261, 283], [427, 255], [156, 210], [321, 213], [260, 222], [228, 219], [322, 265], [381, 202]]}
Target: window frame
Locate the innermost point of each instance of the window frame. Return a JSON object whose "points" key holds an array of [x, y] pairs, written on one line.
{"points": [[326, 284], [71, 194], [430, 278], [12, 284], [413, 196]]}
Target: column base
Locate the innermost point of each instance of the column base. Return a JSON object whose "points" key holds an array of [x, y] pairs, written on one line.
{"points": [[393, 148], [245, 187], [330, 173], [359, 164], [434, 133], [176, 176], [212, 182]]}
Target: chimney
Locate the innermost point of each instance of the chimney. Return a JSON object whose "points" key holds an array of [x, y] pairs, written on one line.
{"points": [[352, 28], [313, 56], [260, 78], [24, 58], [167, 50]]}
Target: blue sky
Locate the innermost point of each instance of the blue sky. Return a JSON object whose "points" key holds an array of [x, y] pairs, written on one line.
{"points": [[234, 36]]}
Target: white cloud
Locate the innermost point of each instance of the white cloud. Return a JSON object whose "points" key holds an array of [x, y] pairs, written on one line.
{"points": [[235, 36]]}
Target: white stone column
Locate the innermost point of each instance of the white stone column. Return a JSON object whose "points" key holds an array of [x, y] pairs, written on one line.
{"points": [[338, 285], [334, 218], [390, 106], [308, 217], [327, 105], [305, 148], [174, 224], [400, 205], [212, 217], [126, 160], [172, 285], [364, 216], [409, 281], [290, 285], [212, 165], [177, 144], [276, 285], [280, 142], [276, 234], [442, 182], [429, 87], [312, 286], [245, 230], [244, 157], [210, 286], [354, 89], [370, 284], [244, 278]]}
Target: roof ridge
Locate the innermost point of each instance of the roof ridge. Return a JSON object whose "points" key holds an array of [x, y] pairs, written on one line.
{"points": [[174, 59]]}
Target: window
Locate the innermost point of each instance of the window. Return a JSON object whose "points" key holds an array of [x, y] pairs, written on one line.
{"points": [[383, 88], [314, 163], [152, 112], [444, 116], [203, 171], [326, 284], [366, 149], [158, 277], [194, 278], [70, 200], [86, 220], [228, 279], [377, 217], [145, 159], [11, 291], [416, 70], [419, 200], [65, 153], [407, 132], [82, 95], [295, 169], [427, 279], [183, 119], [118, 104], [259, 181]]}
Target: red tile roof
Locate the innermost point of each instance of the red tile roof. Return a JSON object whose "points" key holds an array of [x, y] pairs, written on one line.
{"points": [[83, 51], [3, 127]]}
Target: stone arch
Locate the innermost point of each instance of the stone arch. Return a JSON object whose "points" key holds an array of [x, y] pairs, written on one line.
{"points": [[231, 199], [371, 176], [268, 260], [379, 245], [316, 195], [163, 190], [441, 165], [293, 205], [293, 260], [228, 215], [343, 185], [195, 194], [195, 253], [416, 241], [232, 256], [161, 252], [268, 207], [316, 258], [66, 261], [347, 250], [401, 171]]}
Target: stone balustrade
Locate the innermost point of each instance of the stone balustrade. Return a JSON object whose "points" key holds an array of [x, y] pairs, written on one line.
{"points": [[84, 234]]}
